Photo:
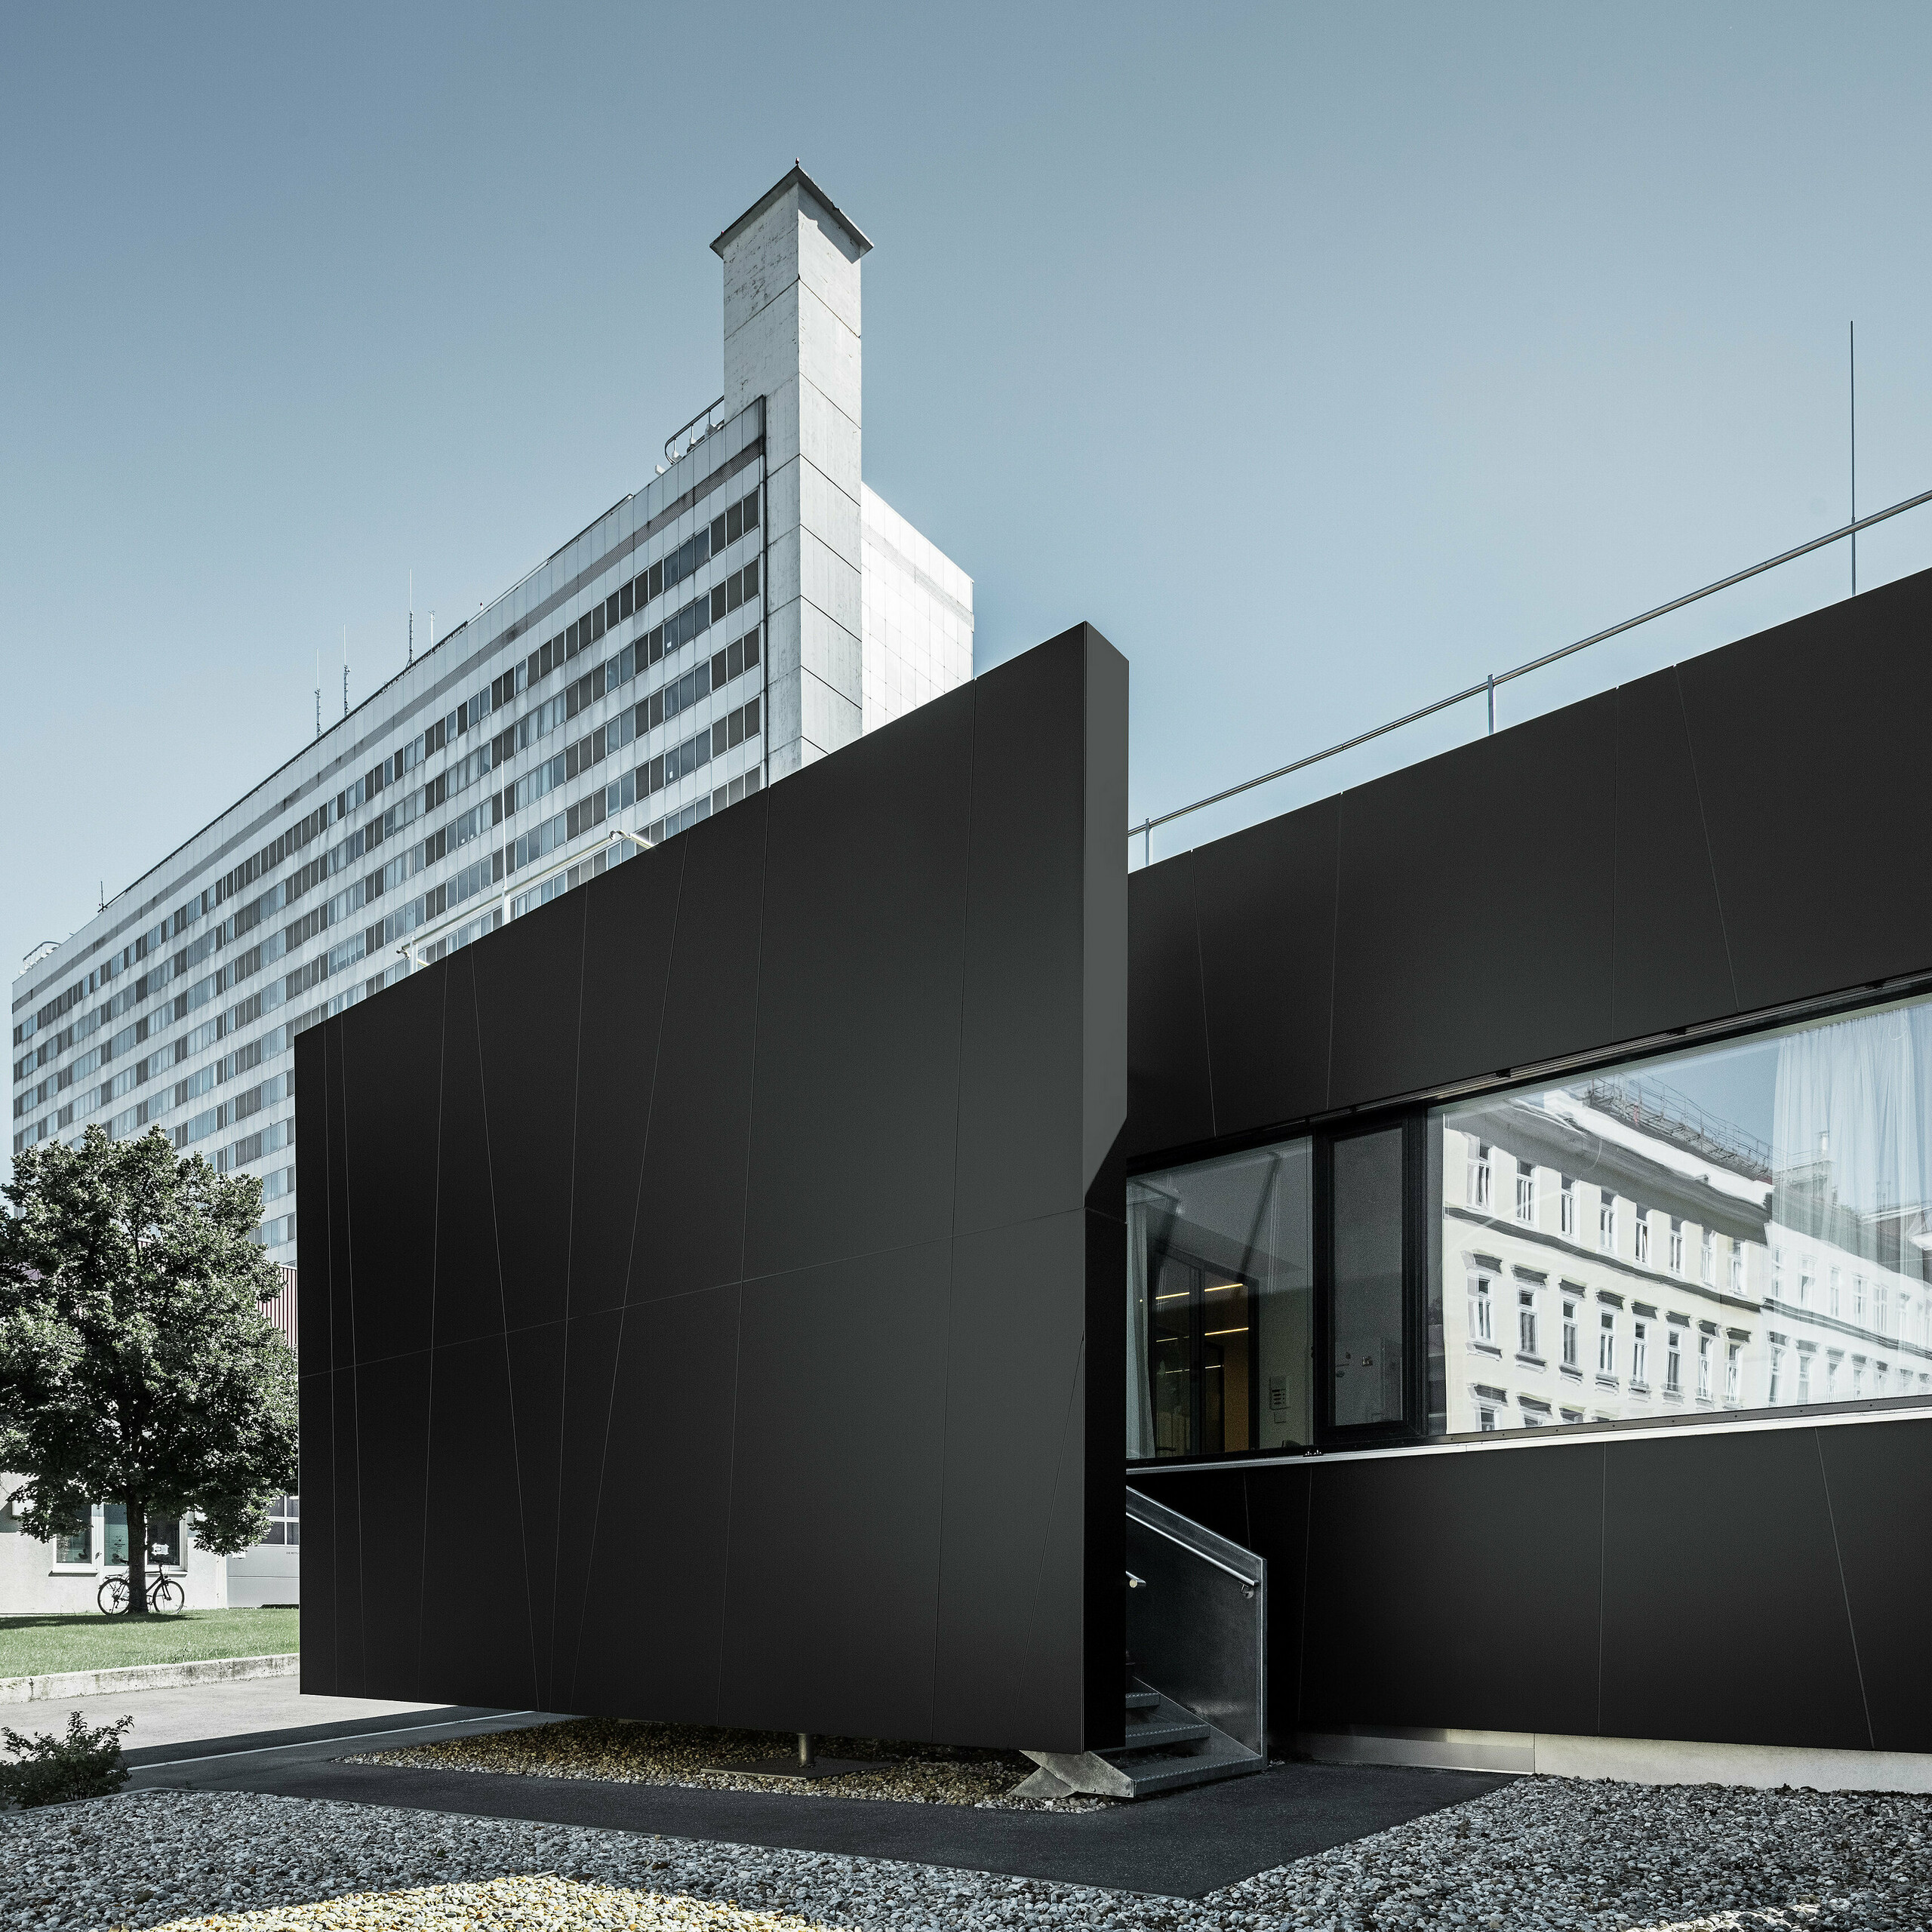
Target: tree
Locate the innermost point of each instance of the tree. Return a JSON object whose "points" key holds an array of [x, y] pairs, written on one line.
{"points": [[136, 1363]]}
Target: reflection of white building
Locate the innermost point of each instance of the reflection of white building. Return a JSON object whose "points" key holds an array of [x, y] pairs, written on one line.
{"points": [[1610, 1251]]}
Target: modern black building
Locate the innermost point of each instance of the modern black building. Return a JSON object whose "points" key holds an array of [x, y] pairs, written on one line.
{"points": [[1519, 1205]]}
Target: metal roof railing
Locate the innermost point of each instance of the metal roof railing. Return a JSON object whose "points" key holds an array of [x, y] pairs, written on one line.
{"points": [[1147, 827]]}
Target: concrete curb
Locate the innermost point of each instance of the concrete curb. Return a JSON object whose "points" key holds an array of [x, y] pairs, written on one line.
{"points": [[144, 1677]]}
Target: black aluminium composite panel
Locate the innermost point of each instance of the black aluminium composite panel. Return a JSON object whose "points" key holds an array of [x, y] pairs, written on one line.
{"points": [[872, 1068]]}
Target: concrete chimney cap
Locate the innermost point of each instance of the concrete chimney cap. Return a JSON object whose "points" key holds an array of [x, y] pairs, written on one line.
{"points": [[798, 177]]}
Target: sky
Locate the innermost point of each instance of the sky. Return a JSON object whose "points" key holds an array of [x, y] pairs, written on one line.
{"points": [[1325, 359]]}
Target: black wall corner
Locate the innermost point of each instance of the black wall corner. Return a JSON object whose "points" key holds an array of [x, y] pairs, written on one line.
{"points": [[747, 1226]]}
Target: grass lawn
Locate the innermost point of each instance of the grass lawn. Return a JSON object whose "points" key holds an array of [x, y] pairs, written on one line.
{"points": [[33, 1644]]}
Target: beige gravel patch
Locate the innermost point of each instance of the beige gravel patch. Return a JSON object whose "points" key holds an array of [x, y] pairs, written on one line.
{"points": [[628, 1751], [536, 1902]]}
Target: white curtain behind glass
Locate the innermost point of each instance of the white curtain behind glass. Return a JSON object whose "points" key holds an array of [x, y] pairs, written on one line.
{"points": [[1844, 1130]]}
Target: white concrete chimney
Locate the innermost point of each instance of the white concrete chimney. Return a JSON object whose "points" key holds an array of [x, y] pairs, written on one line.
{"points": [[791, 335]]}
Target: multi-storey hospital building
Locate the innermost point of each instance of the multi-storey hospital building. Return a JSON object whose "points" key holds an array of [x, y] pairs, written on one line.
{"points": [[751, 608]]}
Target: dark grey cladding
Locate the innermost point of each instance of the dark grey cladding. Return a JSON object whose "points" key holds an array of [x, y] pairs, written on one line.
{"points": [[1706, 842], [1598, 1588], [713, 1277]]}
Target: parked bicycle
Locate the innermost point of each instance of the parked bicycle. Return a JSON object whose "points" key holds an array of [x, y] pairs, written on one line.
{"points": [[164, 1593]]}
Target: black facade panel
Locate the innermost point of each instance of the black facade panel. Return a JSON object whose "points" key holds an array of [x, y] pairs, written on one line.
{"points": [[1457, 1651], [663, 1485], [393, 1410], [529, 1005], [1450, 961], [339, 1275], [392, 1242], [592, 1345], [1878, 1481], [1704, 1533], [1808, 758], [1023, 1088], [345, 1564], [475, 1643], [1265, 901], [1015, 1460], [885, 999], [536, 1415], [875, 1064], [857, 1349], [1170, 1095], [691, 1227], [462, 1189], [626, 966], [1673, 965], [321, 1609]]}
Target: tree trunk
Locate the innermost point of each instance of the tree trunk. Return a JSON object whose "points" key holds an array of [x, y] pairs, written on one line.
{"points": [[137, 1559]]}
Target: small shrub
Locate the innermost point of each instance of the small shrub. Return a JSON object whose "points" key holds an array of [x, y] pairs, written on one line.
{"points": [[48, 1770]]}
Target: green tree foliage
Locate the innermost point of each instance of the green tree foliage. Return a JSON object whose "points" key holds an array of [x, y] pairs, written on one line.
{"points": [[136, 1363]]}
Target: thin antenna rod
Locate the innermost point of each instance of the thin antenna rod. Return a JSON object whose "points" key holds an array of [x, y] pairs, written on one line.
{"points": [[345, 670], [412, 616], [1852, 338], [318, 694]]}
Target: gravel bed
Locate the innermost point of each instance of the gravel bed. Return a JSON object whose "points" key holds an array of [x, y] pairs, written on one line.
{"points": [[1537, 1855], [628, 1751]]}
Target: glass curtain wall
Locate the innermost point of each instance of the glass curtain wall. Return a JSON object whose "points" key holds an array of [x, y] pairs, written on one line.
{"points": [[1740, 1227], [1221, 1276], [1744, 1226]]}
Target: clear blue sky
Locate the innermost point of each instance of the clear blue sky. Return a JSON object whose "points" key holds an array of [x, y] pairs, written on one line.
{"points": [[1325, 358]]}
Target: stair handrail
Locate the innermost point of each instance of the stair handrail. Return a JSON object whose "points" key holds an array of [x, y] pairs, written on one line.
{"points": [[1196, 1538]]}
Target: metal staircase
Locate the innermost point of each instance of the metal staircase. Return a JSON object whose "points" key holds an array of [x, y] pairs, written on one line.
{"points": [[1196, 1623]]}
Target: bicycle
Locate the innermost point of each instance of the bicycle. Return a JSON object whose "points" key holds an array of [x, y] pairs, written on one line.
{"points": [[164, 1593]]}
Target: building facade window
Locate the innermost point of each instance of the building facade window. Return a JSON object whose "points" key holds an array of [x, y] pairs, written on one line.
{"points": [[73, 1542], [1482, 1310], [1570, 1357], [1805, 1142], [1526, 1193], [1526, 1322], [1479, 1177]]}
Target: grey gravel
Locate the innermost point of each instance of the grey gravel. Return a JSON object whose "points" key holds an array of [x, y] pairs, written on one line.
{"points": [[1540, 1854], [630, 1751]]}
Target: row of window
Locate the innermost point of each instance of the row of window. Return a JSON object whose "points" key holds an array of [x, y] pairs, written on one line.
{"points": [[740, 655], [736, 520]]}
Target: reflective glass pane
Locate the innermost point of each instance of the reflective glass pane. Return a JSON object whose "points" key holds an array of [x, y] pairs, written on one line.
{"points": [[1741, 1227], [1366, 1346], [113, 1532], [1220, 1267]]}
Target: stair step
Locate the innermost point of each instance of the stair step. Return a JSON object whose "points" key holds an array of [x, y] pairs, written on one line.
{"points": [[1152, 1774], [1165, 1736], [1143, 1700]]}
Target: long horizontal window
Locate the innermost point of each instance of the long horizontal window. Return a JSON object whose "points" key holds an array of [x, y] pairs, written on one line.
{"points": [[1745, 1227]]}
